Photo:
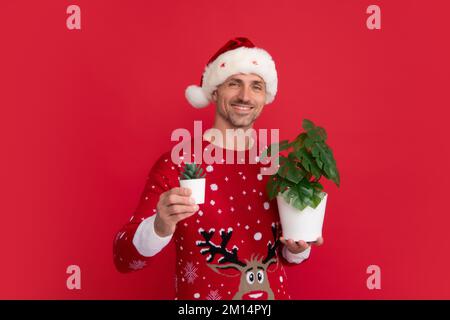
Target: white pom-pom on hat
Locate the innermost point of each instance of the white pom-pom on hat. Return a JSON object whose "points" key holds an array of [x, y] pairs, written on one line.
{"points": [[196, 96]]}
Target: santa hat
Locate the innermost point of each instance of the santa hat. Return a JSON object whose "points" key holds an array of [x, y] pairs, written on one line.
{"points": [[238, 55]]}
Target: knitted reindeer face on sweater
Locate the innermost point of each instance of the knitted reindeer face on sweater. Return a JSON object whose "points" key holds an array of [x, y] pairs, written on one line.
{"points": [[254, 284]]}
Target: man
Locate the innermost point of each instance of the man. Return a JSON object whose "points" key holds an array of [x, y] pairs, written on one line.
{"points": [[228, 247]]}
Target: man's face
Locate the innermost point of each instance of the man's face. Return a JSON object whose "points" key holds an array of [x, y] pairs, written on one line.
{"points": [[240, 99]]}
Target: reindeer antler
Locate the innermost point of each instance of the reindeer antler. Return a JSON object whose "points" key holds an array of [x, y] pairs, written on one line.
{"points": [[271, 248], [213, 249]]}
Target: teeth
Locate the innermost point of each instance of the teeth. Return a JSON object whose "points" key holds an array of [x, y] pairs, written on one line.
{"points": [[241, 107], [255, 295]]}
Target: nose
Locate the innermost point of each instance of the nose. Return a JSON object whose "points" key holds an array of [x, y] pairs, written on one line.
{"points": [[244, 94]]}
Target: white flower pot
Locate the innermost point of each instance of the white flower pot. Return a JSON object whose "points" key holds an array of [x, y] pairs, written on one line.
{"points": [[303, 224], [197, 187]]}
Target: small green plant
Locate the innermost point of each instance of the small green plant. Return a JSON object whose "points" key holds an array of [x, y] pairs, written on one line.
{"points": [[191, 171], [308, 160]]}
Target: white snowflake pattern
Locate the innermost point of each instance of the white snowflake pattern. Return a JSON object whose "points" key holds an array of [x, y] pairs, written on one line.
{"points": [[257, 236], [209, 168], [214, 295], [214, 187], [120, 235], [190, 272], [259, 177], [137, 264]]}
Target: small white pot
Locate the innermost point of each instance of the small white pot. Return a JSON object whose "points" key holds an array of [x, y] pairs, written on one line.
{"points": [[197, 187], [303, 224]]}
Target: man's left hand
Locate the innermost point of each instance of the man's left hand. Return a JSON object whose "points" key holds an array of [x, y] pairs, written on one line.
{"points": [[299, 246]]}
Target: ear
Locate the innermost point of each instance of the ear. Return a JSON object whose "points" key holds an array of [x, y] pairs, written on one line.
{"points": [[227, 270], [214, 96]]}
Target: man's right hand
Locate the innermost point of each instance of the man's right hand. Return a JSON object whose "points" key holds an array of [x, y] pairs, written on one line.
{"points": [[173, 206]]}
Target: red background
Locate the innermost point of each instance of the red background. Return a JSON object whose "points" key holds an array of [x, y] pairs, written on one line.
{"points": [[85, 113]]}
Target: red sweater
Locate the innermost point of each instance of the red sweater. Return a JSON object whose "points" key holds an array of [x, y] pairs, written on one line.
{"points": [[229, 249]]}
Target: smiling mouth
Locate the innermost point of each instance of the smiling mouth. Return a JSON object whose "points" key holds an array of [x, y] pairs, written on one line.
{"points": [[242, 108], [255, 295]]}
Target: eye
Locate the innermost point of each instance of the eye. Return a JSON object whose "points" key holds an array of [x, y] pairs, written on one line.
{"points": [[250, 277], [232, 84], [258, 88], [260, 276]]}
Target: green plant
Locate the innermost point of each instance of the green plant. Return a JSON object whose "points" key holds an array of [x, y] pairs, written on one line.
{"points": [[191, 171], [308, 160]]}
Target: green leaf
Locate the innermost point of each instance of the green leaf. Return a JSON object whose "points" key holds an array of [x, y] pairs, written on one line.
{"points": [[307, 124], [308, 162], [317, 134], [304, 189], [316, 201], [282, 145], [299, 141], [308, 142], [322, 152], [191, 171], [317, 186], [290, 171], [294, 174], [284, 183], [186, 176]]}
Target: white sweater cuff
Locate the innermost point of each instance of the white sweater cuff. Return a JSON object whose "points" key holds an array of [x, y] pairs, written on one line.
{"points": [[296, 257], [145, 239]]}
